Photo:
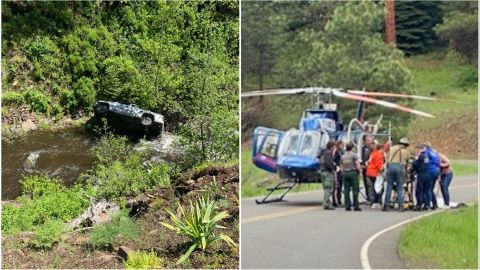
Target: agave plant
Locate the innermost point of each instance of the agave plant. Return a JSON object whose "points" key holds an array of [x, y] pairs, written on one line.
{"points": [[199, 225]]}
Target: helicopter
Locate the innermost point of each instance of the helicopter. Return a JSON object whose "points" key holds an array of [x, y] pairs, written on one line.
{"points": [[293, 154]]}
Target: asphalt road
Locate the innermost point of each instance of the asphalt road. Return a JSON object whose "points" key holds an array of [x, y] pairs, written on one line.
{"points": [[298, 233]]}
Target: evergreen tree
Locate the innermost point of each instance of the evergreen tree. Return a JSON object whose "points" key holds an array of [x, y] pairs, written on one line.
{"points": [[414, 25]]}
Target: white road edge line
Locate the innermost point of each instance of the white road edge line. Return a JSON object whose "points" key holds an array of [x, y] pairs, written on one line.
{"points": [[364, 250]]}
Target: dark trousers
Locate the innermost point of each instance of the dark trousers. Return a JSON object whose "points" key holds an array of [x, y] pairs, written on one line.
{"points": [[420, 192], [337, 188], [350, 182], [445, 180], [431, 185]]}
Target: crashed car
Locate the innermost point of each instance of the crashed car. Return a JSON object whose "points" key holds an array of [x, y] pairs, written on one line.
{"points": [[129, 116]]}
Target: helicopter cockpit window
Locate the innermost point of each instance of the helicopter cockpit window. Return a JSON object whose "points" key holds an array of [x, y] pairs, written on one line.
{"points": [[289, 143], [270, 145], [310, 143]]}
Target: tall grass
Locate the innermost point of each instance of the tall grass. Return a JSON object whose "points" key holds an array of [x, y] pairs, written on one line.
{"points": [[444, 240]]}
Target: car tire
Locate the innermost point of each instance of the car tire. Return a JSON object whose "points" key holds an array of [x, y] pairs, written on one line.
{"points": [[101, 109], [147, 120]]}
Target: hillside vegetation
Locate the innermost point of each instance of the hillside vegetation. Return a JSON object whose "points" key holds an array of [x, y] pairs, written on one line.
{"points": [[454, 128], [172, 57]]}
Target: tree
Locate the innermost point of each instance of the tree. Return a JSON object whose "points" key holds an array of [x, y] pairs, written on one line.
{"points": [[349, 53], [261, 31], [414, 25], [460, 28]]}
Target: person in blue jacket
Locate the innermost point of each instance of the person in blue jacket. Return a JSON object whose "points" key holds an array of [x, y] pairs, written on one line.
{"points": [[434, 171], [420, 167]]}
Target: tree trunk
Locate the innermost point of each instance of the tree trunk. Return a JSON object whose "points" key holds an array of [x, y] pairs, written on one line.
{"points": [[390, 37]]}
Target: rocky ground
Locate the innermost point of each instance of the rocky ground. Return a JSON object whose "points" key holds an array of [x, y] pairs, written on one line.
{"points": [[74, 250]]}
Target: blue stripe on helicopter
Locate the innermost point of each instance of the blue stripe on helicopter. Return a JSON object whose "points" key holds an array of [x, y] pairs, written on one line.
{"points": [[297, 161]]}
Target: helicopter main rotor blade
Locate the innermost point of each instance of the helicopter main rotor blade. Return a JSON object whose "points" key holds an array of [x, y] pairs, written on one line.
{"points": [[383, 94], [291, 91], [381, 102]]}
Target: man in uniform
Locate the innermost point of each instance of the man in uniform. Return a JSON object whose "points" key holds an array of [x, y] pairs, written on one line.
{"points": [[396, 172], [365, 156], [420, 166], [351, 168], [327, 169]]}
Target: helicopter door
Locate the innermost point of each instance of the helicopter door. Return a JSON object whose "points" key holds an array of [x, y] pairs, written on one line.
{"points": [[266, 142]]}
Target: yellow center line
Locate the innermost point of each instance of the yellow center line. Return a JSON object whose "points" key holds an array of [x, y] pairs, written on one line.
{"points": [[279, 214], [306, 209]]}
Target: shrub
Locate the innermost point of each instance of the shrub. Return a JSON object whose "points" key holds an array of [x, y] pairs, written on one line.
{"points": [[121, 226], [130, 177], [199, 225], [144, 260], [38, 101], [120, 78], [39, 47], [67, 99], [43, 199], [84, 93], [119, 172], [13, 98], [35, 186], [467, 77], [111, 148], [48, 234]]}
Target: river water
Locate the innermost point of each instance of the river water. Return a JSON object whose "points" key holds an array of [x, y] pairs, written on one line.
{"points": [[64, 154]]}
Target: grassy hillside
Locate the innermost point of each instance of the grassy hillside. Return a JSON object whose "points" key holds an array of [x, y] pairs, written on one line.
{"points": [[454, 128]]}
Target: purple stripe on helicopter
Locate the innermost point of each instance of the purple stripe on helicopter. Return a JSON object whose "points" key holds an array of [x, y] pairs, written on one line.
{"points": [[266, 163]]}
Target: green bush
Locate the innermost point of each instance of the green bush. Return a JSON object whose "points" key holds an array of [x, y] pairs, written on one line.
{"points": [[120, 79], [121, 226], [38, 101], [119, 172], [14, 98], [48, 234], [130, 177], [40, 46], [44, 199], [111, 148], [84, 93], [199, 225], [144, 260], [467, 77], [67, 99], [36, 186]]}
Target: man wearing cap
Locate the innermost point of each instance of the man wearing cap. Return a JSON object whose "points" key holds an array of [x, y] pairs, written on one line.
{"points": [[396, 172], [327, 169]]}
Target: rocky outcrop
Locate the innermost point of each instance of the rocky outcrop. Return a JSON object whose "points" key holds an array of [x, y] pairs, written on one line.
{"points": [[96, 213]]}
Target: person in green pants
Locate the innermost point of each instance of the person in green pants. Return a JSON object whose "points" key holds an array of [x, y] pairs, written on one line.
{"points": [[327, 168], [351, 168]]}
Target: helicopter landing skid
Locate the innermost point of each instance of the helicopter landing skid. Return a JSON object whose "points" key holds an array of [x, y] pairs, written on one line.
{"points": [[286, 185]]}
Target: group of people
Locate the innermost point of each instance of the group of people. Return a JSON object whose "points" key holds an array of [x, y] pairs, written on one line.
{"points": [[343, 167]]}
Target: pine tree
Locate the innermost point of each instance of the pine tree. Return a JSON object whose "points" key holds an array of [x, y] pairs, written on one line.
{"points": [[414, 24]]}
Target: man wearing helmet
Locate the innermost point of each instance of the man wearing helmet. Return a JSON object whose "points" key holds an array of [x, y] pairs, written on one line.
{"points": [[396, 172]]}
